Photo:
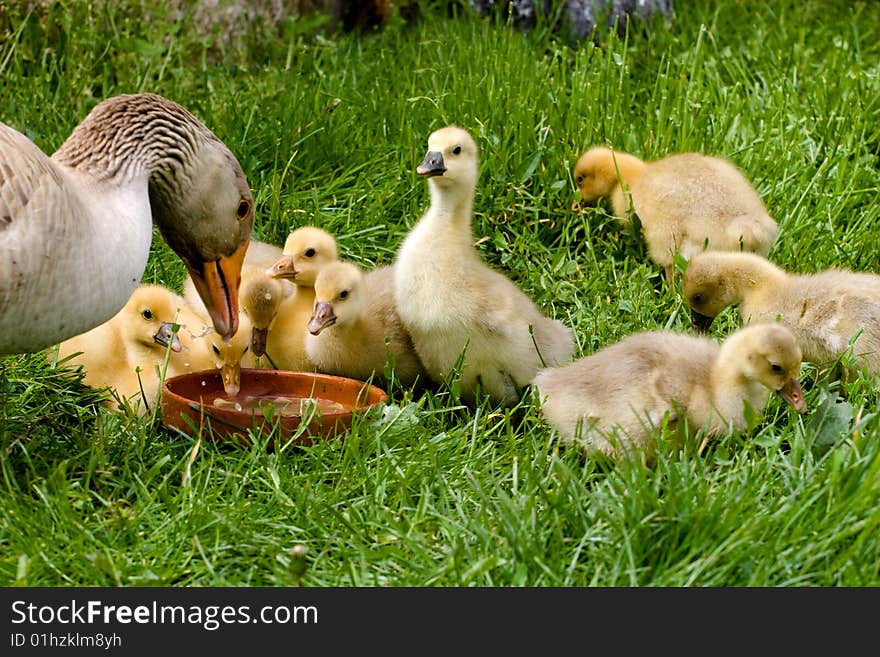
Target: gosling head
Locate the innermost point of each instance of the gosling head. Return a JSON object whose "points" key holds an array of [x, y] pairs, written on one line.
{"points": [[770, 355], [339, 296], [227, 355], [597, 173], [708, 288], [306, 251], [452, 158], [148, 318]]}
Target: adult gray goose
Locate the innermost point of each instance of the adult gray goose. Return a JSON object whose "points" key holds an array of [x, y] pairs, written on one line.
{"points": [[76, 227]]}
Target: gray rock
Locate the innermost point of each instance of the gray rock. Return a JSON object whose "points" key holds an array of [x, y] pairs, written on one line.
{"points": [[580, 16]]}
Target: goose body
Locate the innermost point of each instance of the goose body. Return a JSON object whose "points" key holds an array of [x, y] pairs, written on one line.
{"points": [[614, 400], [75, 228], [824, 310], [451, 302], [686, 202], [355, 328], [307, 250], [128, 352]]}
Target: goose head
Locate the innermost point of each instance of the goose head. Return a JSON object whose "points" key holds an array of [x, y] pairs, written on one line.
{"points": [[198, 194], [452, 159], [260, 297], [769, 354], [598, 171], [147, 320], [306, 251], [205, 213], [339, 296]]}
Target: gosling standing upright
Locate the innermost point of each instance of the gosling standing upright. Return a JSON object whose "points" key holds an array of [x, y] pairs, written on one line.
{"points": [[452, 303]]}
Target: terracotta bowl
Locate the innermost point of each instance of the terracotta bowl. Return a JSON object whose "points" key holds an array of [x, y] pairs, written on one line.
{"points": [[268, 398]]}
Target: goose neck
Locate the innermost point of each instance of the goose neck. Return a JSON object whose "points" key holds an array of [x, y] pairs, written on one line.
{"points": [[629, 166], [123, 141]]}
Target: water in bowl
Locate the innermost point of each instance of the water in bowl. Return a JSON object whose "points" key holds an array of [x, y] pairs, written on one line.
{"points": [[280, 404]]}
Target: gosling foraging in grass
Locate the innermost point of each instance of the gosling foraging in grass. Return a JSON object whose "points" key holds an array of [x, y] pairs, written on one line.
{"points": [[688, 202], [127, 353], [306, 251], [825, 310], [452, 303], [614, 401], [354, 316]]}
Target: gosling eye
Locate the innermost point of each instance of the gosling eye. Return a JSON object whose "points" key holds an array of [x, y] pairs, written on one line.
{"points": [[246, 349], [343, 294], [243, 209], [697, 299], [777, 369], [310, 253], [580, 180], [456, 150], [147, 314], [216, 350]]}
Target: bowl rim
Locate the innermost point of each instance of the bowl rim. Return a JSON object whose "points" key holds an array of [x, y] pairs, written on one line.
{"points": [[365, 388], [182, 413]]}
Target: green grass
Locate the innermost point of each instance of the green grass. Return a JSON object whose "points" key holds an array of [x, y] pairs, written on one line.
{"points": [[429, 492]]}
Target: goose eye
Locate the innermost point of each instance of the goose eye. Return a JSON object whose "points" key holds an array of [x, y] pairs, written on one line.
{"points": [[147, 314], [216, 350], [456, 150], [343, 294], [310, 253], [243, 209], [777, 369]]}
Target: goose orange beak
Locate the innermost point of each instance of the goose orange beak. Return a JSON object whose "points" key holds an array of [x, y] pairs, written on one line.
{"points": [[217, 284]]}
